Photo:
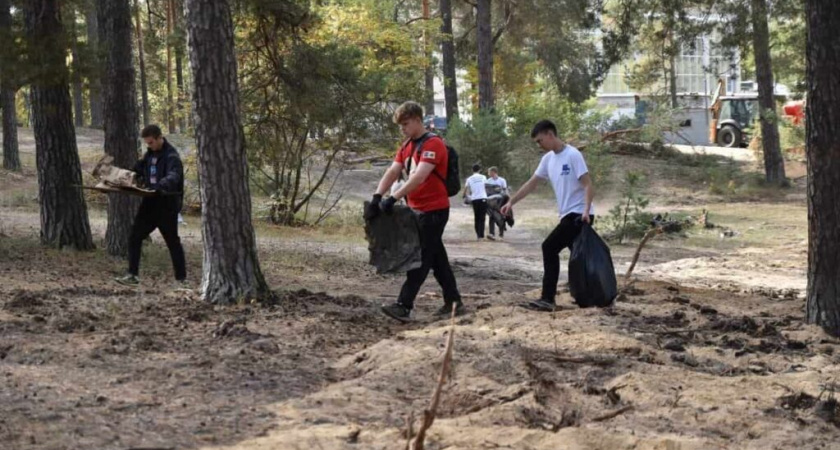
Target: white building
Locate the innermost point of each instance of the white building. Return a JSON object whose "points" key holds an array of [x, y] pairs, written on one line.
{"points": [[698, 68]]}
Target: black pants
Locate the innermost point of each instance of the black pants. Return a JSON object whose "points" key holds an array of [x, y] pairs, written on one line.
{"points": [[562, 237], [480, 210], [434, 258], [161, 214]]}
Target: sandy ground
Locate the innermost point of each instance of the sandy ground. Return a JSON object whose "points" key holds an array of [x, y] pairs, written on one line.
{"points": [[707, 350]]}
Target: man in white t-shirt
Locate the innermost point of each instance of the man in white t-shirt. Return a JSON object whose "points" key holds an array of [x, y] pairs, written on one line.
{"points": [[496, 180], [563, 166], [474, 187]]}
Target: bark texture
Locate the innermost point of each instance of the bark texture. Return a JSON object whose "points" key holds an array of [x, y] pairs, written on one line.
{"points": [[120, 102], [170, 96], [78, 95], [8, 87], [231, 267], [141, 55], [485, 55], [774, 164], [447, 48], [179, 64], [95, 80], [64, 219], [822, 122]]}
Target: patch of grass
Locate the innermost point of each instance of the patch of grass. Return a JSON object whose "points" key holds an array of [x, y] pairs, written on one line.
{"points": [[18, 199]]}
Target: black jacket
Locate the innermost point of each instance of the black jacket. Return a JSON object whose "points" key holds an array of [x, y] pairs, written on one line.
{"points": [[170, 173]]}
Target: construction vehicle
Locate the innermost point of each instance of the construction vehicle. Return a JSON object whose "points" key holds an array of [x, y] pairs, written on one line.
{"points": [[733, 117]]}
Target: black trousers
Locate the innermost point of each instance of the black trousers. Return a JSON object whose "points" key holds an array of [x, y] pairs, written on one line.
{"points": [[161, 214], [562, 237], [434, 258], [480, 210]]}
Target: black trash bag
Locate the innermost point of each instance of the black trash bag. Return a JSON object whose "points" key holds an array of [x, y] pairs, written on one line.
{"points": [[591, 273], [394, 240]]}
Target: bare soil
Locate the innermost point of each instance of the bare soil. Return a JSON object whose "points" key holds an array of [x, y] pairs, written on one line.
{"points": [[707, 350]]}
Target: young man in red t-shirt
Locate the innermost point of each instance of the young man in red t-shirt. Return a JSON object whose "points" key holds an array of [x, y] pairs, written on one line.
{"points": [[426, 159]]}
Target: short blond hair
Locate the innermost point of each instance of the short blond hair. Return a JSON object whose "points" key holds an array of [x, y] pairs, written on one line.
{"points": [[408, 110]]}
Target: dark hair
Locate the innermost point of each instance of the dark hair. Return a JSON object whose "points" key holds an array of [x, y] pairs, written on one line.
{"points": [[151, 131], [542, 126], [476, 167]]}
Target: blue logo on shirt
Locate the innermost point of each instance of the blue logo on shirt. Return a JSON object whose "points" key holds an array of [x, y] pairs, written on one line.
{"points": [[566, 170]]}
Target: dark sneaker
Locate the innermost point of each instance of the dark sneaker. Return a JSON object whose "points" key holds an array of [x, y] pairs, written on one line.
{"points": [[397, 312], [509, 220], [446, 310], [128, 280], [540, 305]]}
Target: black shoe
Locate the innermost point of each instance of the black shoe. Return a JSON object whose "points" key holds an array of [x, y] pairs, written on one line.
{"points": [[397, 312], [540, 305], [509, 220], [446, 310]]}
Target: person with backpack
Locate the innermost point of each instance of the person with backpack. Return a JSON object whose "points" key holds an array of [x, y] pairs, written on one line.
{"points": [[474, 187], [564, 167], [426, 159]]}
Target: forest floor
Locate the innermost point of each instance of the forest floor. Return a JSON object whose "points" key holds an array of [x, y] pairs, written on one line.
{"points": [[707, 350]]}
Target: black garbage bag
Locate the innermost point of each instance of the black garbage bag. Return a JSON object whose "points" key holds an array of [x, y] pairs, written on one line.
{"points": [[591, 273], [394, 240], [494, 211]]}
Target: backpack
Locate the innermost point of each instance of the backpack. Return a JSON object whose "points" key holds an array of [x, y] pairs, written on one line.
{"points": [[453, 176]]}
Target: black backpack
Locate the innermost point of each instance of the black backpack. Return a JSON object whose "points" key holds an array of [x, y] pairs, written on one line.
{"points": [[453, 176]]}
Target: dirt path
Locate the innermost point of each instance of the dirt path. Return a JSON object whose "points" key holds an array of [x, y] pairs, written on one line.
{"points": [[707, 351]]}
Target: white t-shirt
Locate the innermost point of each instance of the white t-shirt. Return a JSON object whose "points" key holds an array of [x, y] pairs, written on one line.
{"points": [[564, 170], [476, 184], [499, 181]]}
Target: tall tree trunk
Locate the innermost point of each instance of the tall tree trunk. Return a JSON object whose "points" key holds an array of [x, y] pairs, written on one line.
{"points": [[485, 55], [447, 48], [231, 267], [178, 22], [64, 219], [822, 123], [8, 86], [78, 96], [170, 97], [95, 80], [672, 81], [120, 101], [144, 90], [774, 164], [429, 70]]}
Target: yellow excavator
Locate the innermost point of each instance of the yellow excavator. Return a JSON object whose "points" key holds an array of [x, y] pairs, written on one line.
{"points": [[733, 117]]}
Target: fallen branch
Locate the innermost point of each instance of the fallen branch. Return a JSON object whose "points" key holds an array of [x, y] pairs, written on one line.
{"points": [[429, 414], [615, 413], [648, 236], [613, 134], [365, 159]]}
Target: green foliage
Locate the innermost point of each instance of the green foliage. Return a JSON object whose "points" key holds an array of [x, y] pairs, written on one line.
{"points": [[483, 141], [627, 219], [792, 137]]}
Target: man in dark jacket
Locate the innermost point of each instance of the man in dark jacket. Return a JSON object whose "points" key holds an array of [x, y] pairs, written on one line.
{"points": [[160, 170]]}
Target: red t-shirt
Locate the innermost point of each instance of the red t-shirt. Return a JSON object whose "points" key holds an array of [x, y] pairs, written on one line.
{"points": [[431, 194]]}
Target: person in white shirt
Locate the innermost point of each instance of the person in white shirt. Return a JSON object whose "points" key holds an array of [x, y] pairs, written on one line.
{"points": [[496, 180], [474, 187], [563, 166]]}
